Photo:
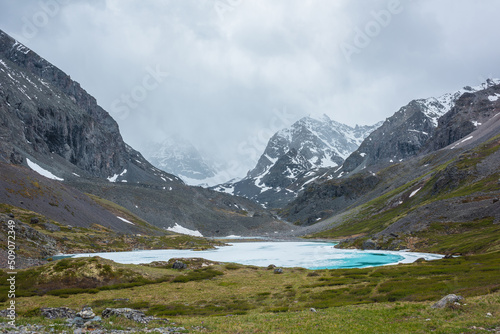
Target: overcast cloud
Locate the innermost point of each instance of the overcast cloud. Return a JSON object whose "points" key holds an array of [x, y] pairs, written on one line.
{"points": [[227, 74]]}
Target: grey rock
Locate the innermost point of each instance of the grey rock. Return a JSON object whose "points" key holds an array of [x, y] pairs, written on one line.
{"points": [[369, 244], [34, 220], [57, 312], [179, 265], [46, 245], [86, 313], [312, 309], [278, 271], [7, 313], [449, 299], [77, 321], [51, 227], [131, 314]]}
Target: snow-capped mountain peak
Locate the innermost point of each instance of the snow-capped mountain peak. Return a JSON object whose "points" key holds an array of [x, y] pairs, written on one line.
{"points": [[295, 155]]}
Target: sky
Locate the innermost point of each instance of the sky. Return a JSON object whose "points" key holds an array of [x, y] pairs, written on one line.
{"points": [[228, 74]]}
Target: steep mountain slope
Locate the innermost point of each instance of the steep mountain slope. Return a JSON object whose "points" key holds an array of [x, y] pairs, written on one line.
{"points": [[438, 196], [405, 134], [50, 124], [295, 156], [46, 116], [449, 203], [179, 157]]}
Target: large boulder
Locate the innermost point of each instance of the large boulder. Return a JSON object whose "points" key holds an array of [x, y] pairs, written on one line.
{"points": [[179, 265], [450, 299]]}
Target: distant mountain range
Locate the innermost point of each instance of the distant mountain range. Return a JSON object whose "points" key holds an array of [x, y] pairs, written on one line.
{"points": [[178, 156], [295, 156]]}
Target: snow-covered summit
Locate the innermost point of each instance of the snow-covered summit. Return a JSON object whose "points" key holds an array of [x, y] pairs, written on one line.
{"points": [[434, 107], [295, 155]]}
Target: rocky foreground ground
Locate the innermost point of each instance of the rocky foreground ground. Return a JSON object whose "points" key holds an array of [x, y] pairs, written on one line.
{"points": [[87, 321]]}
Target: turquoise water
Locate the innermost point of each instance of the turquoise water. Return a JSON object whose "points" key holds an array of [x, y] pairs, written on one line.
{"points": [[310, 255]]}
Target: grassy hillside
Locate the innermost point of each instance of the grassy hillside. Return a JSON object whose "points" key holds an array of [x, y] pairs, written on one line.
{"points": [[454, 208]]}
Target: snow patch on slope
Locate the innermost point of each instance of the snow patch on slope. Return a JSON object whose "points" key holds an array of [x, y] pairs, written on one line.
{"points": [[182, 230], [42, 171], [125, 220], [114, 177]]}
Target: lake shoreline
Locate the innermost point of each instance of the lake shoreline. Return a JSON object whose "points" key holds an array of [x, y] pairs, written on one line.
{"points": [[282, 253]]}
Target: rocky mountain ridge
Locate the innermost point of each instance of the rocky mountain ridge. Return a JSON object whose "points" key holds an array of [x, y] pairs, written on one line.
{"points": [[412, 129], [450, 177]]}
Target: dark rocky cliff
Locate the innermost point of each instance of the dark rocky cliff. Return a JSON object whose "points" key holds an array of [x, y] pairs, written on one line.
{"points": [[44, 113]]}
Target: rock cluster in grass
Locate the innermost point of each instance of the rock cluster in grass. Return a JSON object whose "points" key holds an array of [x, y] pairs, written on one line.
{"points": [[131, 314], [57, 312], [37, 329], [87, 321]]}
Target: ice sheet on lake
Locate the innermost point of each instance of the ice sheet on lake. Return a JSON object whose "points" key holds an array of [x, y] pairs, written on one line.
{"points": [[311, 255]]}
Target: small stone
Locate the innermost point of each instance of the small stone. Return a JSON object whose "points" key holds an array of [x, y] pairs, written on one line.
{"points": [[489, 314], [34, 220], [278, 271], [312, 309], [271, 267]]}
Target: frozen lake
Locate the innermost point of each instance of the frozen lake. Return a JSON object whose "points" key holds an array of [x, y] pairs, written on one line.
{"points": [[310, 255]]}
